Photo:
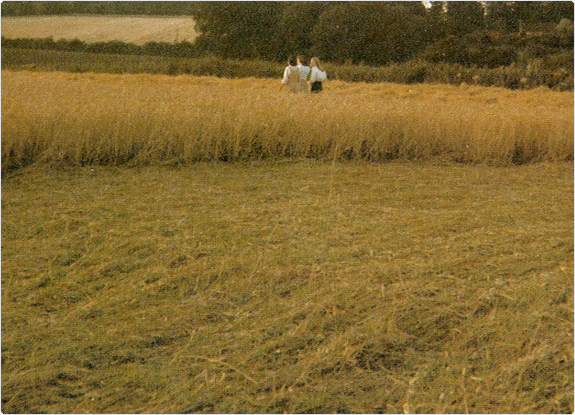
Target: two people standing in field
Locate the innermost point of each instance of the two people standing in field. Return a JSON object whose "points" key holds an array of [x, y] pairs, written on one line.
{"points": [[298, 74]]}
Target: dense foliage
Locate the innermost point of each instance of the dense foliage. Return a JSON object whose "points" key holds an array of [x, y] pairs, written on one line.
{"points": [[29, 8], [373, 33]]}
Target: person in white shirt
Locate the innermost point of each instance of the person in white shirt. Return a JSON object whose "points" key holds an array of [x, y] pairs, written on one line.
{"points": [[304, 71], [291, 76], [317, 76]]}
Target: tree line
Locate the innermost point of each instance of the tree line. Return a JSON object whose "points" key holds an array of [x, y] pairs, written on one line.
{"points": [[375, 33], [371, 33]]}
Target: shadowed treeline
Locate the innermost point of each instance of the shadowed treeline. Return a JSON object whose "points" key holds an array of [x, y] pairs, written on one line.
{"points": [[373, 33]]}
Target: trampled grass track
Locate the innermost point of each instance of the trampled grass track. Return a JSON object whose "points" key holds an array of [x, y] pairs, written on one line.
{"points": [[297, 287]]}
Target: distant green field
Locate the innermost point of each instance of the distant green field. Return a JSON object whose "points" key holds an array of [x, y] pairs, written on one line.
{"points": [[131, 29]]}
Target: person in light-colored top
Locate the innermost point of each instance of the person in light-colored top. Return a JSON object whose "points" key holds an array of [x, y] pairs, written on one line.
{"points": [[291, 76], [317, 76], [304, 71]]}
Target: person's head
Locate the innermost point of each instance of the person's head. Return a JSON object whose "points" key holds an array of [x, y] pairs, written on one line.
{"points": [[302, 60], [292, 61], [314, 62]]}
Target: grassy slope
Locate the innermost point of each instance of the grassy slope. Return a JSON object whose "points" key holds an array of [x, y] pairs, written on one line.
{"points": [[298, 287]]}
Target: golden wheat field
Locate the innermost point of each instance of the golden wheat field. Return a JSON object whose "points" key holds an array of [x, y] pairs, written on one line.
{"points": [[375, 248], [113, 119], [130, 29]]}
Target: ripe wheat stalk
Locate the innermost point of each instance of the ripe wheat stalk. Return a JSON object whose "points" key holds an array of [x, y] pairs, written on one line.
{"points": [[113, 119]]}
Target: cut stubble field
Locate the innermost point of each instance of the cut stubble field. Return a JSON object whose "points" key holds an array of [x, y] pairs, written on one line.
{"points": [[185, 244], [288, 286], [91, 29]]}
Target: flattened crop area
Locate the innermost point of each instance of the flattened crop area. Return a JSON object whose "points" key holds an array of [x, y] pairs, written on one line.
{"points": [[289, 286]]}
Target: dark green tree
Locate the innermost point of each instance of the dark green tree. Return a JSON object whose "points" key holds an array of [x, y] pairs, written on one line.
{"points": [[501, 16], [293, 34], [237, 29], [436, 17], [369, 32], [464, 16], [554, 11], [508, 15]]}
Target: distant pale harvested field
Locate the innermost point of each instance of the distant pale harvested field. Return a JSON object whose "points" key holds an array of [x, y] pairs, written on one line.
{"points": [[132, 29]]}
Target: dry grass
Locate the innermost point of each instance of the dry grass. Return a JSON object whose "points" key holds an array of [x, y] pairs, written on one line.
{"points": [[130, 29], [113, 119], [285, 287]]}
